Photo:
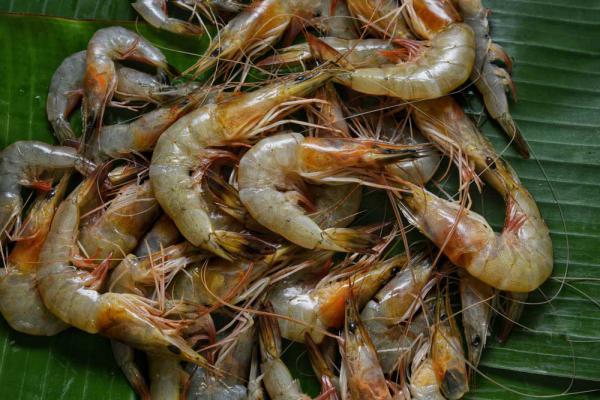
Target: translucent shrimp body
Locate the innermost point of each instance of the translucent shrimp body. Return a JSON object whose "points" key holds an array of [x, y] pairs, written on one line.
{"points": [[364, 374], [20, 303], [182, 148], [154, 12], [322, 307], [268, 176], [22, 163], [64, 94], [520, 258], [444, 63], [66, 292], [100, 81], [116, 232]]}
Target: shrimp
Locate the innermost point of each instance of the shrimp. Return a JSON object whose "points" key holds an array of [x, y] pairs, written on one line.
{"points": [[141, 135], [100, 79], [423, 381], [428, 17], [270, 176], [135, 85], [321, 304], [511, 306], [20, 303], [253, 31], [69, 293], [358, 52], [117, 230], [335, 20], [278, 381], [364, 374], [64, 95], [381, 17], [520, 258], [447, 354], [476, 301], [179, 150], [442, 64], [234, 358], [22, 163], [162, 234], [394, 303], [491, 73], [155, 13]]}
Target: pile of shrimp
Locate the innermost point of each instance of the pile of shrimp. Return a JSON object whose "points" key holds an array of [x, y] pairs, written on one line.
{"points": [[220, 219]]}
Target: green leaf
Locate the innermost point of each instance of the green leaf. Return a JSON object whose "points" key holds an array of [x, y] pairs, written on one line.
{"points": [[556, 49]]}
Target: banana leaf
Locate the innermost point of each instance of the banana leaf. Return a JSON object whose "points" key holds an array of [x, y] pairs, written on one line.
{"points": [[556, 50]]}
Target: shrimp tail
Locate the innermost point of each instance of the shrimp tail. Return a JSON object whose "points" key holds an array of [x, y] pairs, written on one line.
{"points": [[511, 310], [124, 356], [352, 240], [508, 125], [242, 245], [227, 198], [63, 131]]}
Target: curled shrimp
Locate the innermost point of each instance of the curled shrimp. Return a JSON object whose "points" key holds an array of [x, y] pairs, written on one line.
{"points": [[100, 80], [142, 134], [394, 303], [520, 258], [320, 304], [117, 230], [491, 73], [20, 303], [21, 164], [441, 65], [180, 149], [363, 372], [270, 179], [253, 31], [69, 293], [476, 300], [155, 13], [279, 382], [64, 95], [447, 355]]}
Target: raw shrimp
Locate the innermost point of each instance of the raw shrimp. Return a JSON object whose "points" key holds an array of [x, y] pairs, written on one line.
{"points": [[423, 381], [69, 293], [381, 17], [141, 135], [270, 182], [335, 20], [491, 73], [520, 258], [155, 13], [20, 302], [428, 17], [22, 163], [447, 355], [511, 306], [363, 372], [278, 381], [64, 95], [476, 300], [234, 359], [183, 148], [442, 64], [116, 232], [321, 304], [135, 85], [358, 52], [100, 79], [397, 301], [253, 31]]}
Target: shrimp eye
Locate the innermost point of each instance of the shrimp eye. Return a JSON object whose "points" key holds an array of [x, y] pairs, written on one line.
{"points": [[174, 349], [215, 52], [476, 341], [352, 327], [490, 162], [395, 270], [300, 78]]}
